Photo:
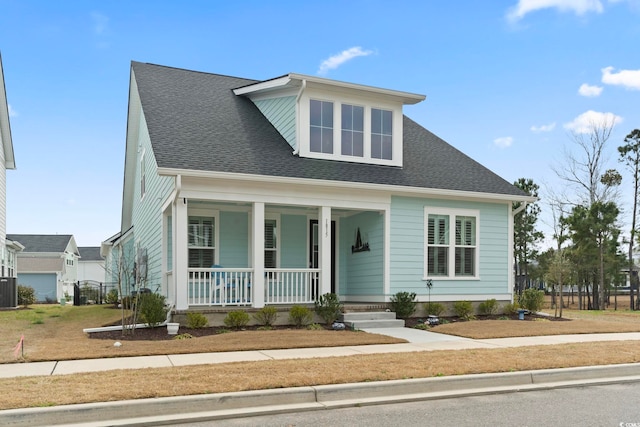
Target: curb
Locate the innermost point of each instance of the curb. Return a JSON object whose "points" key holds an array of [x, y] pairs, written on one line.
{"points": [[168, 410]]}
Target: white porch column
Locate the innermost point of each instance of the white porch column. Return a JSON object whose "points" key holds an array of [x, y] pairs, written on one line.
{"points": [[181, 254], [257, 230], [324, 250]]}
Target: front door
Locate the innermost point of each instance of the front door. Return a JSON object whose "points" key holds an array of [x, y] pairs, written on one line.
{"points": [[313, 250]]}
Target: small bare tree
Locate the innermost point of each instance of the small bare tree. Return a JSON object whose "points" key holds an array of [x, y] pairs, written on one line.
{"points": [[630, 156]]}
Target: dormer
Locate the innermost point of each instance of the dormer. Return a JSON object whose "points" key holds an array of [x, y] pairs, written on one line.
{"points": [[333, 120]]}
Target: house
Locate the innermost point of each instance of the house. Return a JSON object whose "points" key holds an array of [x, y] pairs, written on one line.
{"points": [[249, 193], [8, 248], [91, 265], [48, 263]]}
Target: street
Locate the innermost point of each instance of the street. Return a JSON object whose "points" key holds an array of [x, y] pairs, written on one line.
{"points": [[611, 405]]}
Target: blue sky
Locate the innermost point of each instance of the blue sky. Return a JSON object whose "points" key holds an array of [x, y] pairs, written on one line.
{"points": [[506, 81]]}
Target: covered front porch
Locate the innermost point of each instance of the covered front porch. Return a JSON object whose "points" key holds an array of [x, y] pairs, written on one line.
{"points": [[252, 254]]}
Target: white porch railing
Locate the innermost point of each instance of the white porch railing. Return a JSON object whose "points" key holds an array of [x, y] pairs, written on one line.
{"points": [[220, 286], [291, 285], [232, 286]]}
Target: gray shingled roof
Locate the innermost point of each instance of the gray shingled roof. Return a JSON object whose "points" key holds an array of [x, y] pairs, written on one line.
{"points": [[90, 253], [42, 242], [195, 122]]}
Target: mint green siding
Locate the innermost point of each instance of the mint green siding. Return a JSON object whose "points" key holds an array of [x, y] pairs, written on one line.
{"points": [[361, 273], [293, 241], [147, 216], [408, 247], [281, 112], [234, 239]]}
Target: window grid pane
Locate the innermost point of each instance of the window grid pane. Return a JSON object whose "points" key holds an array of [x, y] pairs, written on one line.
{"points": [[352, 130], [381, 134], [321, 126]]}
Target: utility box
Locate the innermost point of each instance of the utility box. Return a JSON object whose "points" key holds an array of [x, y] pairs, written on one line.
{"points": [[8, 292]]}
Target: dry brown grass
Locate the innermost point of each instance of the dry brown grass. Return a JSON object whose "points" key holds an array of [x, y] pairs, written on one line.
{"points": [[191, 380], [60, 336]]}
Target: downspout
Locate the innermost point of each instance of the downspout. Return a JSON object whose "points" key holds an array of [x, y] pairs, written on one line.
{"points": [[178, 185], [302, 88]]}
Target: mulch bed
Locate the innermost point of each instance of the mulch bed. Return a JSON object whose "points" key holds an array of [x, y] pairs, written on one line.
{"points": [[160, 333], [414, 321]]}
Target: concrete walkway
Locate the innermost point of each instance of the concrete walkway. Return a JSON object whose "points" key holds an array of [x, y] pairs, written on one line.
{"points": [[417, 340]]}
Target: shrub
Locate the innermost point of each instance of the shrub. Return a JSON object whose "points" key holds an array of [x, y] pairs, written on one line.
{"points": [[328, 307], [112, 297], [183, 337], [237, 319], [152, 309], [532, 299], [488, 307], [314, 327], [464, 310], [26, 295], [434, 308], [266, 316], [196, 320], [404, 304], [511, 308], [300, 316]]}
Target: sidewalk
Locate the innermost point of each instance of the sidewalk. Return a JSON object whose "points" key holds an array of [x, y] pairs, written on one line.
{"points": [[241, 404], [418, 340]]}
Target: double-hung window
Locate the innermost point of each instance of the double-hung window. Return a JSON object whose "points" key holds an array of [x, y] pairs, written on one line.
{"points": [[451, 243], [321, 126], [201, 242]]}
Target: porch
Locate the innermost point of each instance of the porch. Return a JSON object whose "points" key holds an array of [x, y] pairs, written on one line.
{"points": [[219, 254]]}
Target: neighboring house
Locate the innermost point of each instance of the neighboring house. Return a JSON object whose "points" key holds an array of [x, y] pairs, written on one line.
{"points": [[91, 265], [48, 263], [8, 248], [253, 193]]}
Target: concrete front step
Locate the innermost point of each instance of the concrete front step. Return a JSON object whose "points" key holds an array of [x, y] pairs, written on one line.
{"points": [[372, 324], [368, 315], [372, 319]]}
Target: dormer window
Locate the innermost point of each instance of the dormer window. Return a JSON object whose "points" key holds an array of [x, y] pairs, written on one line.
{"points": [[321, 119], [352, 142], [343, 132], [381, 134]]}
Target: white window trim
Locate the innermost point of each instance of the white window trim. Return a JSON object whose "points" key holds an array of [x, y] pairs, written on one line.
{"points": [[304, 127], [452, 213]]}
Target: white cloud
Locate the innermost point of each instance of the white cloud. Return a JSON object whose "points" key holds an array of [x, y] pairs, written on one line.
{"points": [[100, 22], [503, 142], [12, 112], [543, 128], [336, 60], [589, 91], [579, 7], [585, 122], [630, 79]]}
